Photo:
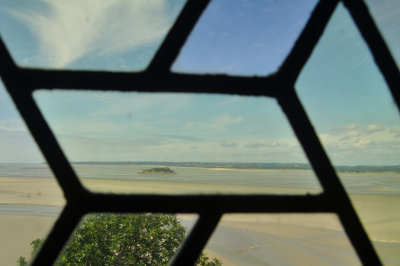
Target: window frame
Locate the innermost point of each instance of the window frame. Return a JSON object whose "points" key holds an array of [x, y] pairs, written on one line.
{"points": [[21, 82]]}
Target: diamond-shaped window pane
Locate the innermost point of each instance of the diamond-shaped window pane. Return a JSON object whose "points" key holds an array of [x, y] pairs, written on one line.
{"points": [[359, 125], [126, 239], [281, 239], [105, 35], [243, 37], [30, 198], [177, 143], [386, 14]]}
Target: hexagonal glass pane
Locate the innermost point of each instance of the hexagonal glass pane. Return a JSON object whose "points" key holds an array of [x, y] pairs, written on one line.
{"points": [[386, 14], [126, 239], [30, 198], [243, 37], [281, 239], [358, 123], [104, 35], [177, 143]]}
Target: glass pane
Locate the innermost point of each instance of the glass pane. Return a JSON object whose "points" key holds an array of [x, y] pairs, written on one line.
{"points": [[177, 143], [358, 123], [126, 239], [281, 239], [243, 37], [105, 35], [30, 198], [386, 14]]}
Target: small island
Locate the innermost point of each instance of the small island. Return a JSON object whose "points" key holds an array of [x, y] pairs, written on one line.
{"points": [[157, 170]]}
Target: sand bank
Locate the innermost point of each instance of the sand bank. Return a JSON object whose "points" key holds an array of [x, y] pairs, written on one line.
{"points": [[173, 187], [380, 214], [283, 233], [30, 191], [16, 234], [282, 239]]}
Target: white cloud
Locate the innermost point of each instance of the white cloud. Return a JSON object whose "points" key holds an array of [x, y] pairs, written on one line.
{"points": [[157, 147], [349, 134], [226, 120], [260, 144], [218, 124], [70, 29], [372, 144], [362, 143], [228, 144], [12, 125], [346, 127], [374, 128], [395, 132], [234, 150], [18, 146]]}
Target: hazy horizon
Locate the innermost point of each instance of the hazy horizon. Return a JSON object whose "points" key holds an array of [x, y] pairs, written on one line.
{"points": [[205, 162]]}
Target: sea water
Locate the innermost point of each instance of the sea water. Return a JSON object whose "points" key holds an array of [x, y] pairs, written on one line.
{"points": [[362, 182]]}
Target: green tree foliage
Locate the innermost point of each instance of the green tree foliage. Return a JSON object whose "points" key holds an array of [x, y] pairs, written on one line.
{"points": [[35, 247], [205, 261], [122, 239], [22, 261]]}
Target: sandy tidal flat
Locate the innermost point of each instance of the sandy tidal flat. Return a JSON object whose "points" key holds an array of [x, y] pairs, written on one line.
{"points": [[316, 241], [16, 234], [282, 239], [31, 191]]}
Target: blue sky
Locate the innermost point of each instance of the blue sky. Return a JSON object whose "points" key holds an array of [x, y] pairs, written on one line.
{"points": [[342, 90]]}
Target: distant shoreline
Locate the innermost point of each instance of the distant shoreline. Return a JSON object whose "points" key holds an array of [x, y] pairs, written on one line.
{"points": [[244, 166]]}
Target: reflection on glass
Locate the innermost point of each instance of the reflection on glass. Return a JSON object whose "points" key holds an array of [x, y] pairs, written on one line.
{"points": [[386, 13], [30, 198], [126, 239], [177, 143], [89, 34], [358, 123], [243, 37], [281, 239]]}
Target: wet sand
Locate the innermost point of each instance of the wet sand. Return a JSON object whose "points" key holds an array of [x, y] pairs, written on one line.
{"points": [[281, 233], [30, 191], [282, 239], [16, 234], [173, 187]]}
